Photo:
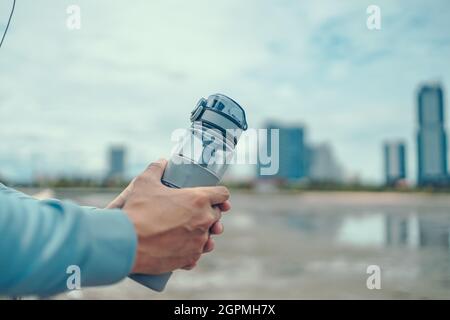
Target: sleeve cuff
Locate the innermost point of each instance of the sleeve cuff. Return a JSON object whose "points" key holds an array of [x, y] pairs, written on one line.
{"points": [[113, 249]]}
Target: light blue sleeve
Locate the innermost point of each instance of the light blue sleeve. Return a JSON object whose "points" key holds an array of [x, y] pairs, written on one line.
{"points": [[39, 240]]}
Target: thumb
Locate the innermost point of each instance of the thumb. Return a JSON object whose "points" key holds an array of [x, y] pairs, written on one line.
{"points": [[156, 169], [120, 200]]}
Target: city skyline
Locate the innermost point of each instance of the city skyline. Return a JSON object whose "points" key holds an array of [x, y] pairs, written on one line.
{"points": [[299, 163], [130, 76]]}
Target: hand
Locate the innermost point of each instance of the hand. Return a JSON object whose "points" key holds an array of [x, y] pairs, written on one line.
{"points": [[172, 224], [216, 229]]}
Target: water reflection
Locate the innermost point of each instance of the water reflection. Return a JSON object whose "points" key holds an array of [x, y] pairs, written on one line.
{"points": [[381, 230], [376, 229], [367, 230], [410, 243]]}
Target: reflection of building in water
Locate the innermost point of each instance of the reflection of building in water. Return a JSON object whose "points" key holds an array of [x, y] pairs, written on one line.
{"points": [[434, 233], [378, 230], [402, 230]]}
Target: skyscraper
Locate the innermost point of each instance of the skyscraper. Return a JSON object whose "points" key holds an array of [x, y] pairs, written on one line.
{"points": [[292, 152], [431, 136], [394, 162], [323, 166], [116, 162]]}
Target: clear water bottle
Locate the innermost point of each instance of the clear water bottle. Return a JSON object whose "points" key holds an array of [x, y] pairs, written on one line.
{"points": [[203, 155]]}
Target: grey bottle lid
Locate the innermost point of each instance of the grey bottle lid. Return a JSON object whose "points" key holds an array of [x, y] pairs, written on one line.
{"points": [[220, 112]]}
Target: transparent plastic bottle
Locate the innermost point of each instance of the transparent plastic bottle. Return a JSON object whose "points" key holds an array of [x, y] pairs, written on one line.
{"points": [[203, 155]]}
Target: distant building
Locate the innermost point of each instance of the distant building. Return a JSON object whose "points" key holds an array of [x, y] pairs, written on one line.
{"points": [[394, 162], [323, 166], [116, 162], [293, 155], [431, 136]]}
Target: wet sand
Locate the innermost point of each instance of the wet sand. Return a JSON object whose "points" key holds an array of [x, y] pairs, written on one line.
{"points": [[310, 246]]}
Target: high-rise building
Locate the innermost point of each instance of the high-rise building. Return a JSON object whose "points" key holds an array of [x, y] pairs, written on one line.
{"points": [[323, 166], [116, 162], [292, 152], [394, 162], [431, 136]]}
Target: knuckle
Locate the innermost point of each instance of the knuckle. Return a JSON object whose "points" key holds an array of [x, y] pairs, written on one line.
{"points": [[210, 219], [201, 241], [200, 200], [158, 165], [155, 165], [204, 238], [203, 228], [205, 223], [223, 190]]}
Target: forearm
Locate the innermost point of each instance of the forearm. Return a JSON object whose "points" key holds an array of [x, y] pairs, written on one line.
{"points": [[14, 193], [40, 239], [20, 195]]}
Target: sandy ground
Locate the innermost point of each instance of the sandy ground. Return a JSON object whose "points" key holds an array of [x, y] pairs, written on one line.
{"points": [[310, 246]]}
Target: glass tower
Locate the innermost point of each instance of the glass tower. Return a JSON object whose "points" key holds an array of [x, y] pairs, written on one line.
{"points": [[394, 162], [293, 153], [431, 136], [116, 162]]}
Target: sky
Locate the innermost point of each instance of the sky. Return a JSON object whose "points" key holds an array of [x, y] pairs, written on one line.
{"points": [[135, 69]]}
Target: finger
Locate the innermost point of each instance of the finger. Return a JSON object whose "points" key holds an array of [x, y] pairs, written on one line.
{"points": [[209, 246], [226, 206], [217, 228], [216, 195], [217, 213], [189, 267], [119, 201], [155, 169]]}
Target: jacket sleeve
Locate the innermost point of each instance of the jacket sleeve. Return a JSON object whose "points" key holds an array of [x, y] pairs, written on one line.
{"points": [[42, 241]]}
